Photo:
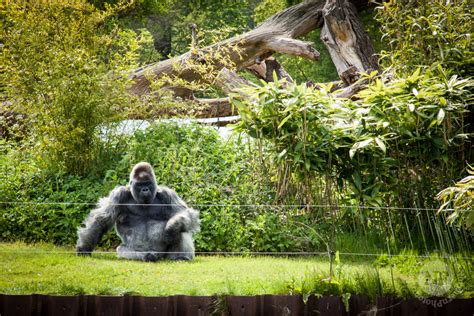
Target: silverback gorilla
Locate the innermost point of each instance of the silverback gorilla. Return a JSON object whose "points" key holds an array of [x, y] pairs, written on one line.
{"points": [[152, 221]]}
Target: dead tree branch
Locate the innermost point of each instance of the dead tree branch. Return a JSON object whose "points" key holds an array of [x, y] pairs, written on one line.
{"points": [[342, 33]]}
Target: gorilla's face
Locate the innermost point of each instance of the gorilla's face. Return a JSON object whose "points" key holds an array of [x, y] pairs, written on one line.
{"points": [[143, 183], [143, 191]]}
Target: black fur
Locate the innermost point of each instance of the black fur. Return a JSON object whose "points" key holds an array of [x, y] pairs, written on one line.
{"points": [[152, 221]]}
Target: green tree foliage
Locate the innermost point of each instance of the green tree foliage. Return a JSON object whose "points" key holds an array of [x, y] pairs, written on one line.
{"points": [[426, 32], [215, 20], [152, 19], [267, 8], [66, 68], [370, 145], [136, 7], [434, 32]]}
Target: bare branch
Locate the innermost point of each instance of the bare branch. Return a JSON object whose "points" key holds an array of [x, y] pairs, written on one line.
{"points": [[249, 48], [229, 81], [265, 70], [343, 34], [292, 47]]}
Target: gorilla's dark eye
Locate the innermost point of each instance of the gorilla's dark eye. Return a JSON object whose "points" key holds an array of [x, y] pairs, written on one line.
{"points": [[144, 184]]}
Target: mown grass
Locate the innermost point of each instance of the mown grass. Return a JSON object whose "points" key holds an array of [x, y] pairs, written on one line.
{"points": [[46, 269]]}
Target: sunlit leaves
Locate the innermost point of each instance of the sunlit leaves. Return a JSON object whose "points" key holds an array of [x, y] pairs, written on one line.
{"points": [[440, 116], [313, 134], [427, 32], [461, 198], [66, 67], [359, 145]]}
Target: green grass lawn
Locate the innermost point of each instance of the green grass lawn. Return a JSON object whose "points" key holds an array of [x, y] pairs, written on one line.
{"points": [[46, 269]]}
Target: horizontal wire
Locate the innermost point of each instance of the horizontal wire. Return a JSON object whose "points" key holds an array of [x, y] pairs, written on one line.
{"points": [[242, 205], [169, 252], [264, 253]]}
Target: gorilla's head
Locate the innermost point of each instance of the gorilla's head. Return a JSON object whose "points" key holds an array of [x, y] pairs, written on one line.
{"points": [[143, 183]]}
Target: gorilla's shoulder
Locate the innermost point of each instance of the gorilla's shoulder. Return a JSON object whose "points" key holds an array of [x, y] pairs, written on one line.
{"points": [[167, 195], [164, 190], [120, 194]]}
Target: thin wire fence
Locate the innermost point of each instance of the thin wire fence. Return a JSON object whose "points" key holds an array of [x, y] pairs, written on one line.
{"points": [[240, 253], [245, 205], [449, 243]]}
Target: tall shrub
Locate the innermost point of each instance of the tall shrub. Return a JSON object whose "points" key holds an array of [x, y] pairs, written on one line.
{"points": [[426, 32], [66, 68], [410, 130]]}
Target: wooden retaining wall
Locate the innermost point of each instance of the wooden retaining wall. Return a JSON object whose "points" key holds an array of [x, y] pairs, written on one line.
{"points": [[19, 305]]}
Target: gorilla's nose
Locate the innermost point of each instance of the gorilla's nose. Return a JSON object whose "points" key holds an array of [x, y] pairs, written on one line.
{"points": [[145, 190]]}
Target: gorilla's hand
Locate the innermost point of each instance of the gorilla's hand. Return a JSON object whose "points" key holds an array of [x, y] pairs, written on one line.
{"points": [[80, 251], [171, 237], [174, 227], [152, 256]]}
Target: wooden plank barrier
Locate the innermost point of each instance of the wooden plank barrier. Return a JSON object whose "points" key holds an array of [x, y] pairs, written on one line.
{"points": [[181, 305]]}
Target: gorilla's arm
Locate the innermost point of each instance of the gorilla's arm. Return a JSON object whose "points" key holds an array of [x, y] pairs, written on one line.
{"points": [[183, 219], [100, 220]]}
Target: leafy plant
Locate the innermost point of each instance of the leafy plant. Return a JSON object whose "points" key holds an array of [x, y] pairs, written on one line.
{"points": [[214, 175], [66, 68], [424, 33], [320, 145], [429, 106], [461, 198], [297, 125]]}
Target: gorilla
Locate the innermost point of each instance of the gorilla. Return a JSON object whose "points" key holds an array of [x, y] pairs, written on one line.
{"points": [[152, 221]]}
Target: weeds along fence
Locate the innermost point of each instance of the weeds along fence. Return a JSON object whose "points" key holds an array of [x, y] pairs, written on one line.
{"points": [[384, 236], [267, 228]]}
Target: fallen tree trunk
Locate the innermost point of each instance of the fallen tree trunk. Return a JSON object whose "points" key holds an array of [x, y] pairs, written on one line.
{"points": [[274, 35], [348, 44], [253, 51]]}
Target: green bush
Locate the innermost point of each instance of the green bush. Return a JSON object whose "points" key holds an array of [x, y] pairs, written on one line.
{"points": [[461, 198], [427, 32], [218, 177], [222, 178], [66, 68], [328, 151], [367, 144]]}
